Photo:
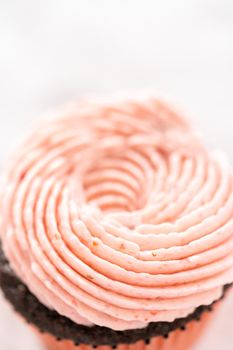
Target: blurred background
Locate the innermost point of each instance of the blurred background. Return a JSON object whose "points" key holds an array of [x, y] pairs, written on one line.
{"points": [[51, 51]]}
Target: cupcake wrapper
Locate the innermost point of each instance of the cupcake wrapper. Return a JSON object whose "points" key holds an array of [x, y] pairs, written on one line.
{"points": [[177, 340]]}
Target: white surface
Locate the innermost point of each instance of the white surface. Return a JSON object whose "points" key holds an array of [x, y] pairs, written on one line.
{"points": [[51, 51]]}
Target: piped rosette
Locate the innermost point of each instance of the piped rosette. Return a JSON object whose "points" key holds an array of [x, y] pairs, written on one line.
{"points": [[115, 214]]}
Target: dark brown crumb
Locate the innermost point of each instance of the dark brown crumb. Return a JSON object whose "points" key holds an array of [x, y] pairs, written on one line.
{"points": [[62, 328]]}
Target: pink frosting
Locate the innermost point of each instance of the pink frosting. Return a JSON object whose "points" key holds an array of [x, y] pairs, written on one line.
{"points": [[115, 214]]}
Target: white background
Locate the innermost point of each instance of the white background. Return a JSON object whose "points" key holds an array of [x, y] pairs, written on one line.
{"points": [[52, 51]]}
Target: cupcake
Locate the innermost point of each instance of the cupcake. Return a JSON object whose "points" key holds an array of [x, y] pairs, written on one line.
{"points": [[116, 227]]}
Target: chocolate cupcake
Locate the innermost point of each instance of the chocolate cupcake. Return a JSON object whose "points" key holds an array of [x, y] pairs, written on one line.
{"points": [[116, 227]]}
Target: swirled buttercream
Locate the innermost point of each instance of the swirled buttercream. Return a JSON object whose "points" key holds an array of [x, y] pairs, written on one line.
{"points": [[115, 214]]}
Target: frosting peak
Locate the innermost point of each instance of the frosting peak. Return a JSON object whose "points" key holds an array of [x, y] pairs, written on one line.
{"points": [[115, 214]]}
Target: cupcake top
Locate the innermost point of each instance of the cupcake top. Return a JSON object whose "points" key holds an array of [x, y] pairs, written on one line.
{"points": [[114, 213]]}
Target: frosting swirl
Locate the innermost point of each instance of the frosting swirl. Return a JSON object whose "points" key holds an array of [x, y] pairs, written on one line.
{"points": [[115, 214]]}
